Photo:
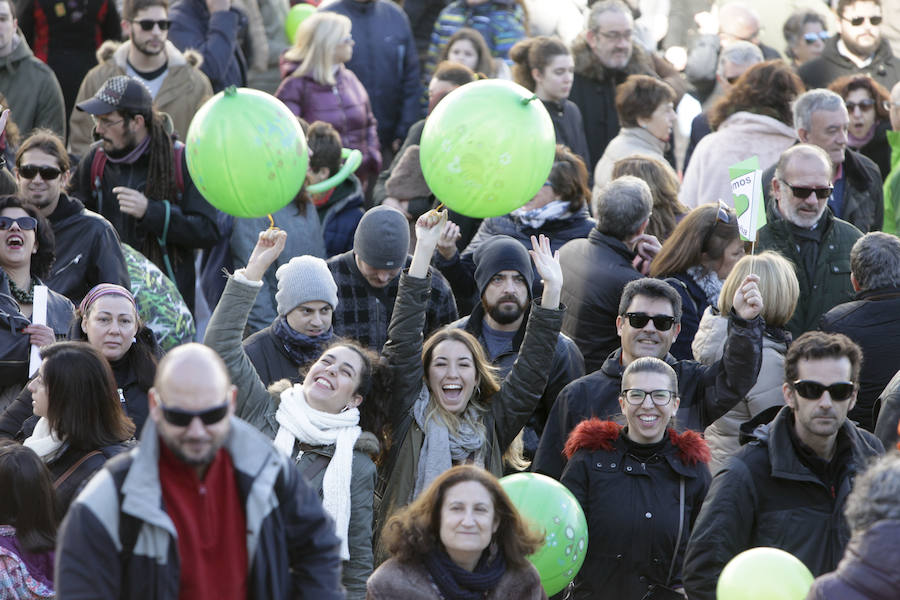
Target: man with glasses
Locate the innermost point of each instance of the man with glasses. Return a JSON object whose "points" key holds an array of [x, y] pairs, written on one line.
{"points": [[648, 322], [176, 84], [858, 48], [787, 488], [204, 508], [804, 230]]}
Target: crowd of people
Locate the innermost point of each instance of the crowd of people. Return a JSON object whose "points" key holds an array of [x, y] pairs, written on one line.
{"points": [[322, 403]]}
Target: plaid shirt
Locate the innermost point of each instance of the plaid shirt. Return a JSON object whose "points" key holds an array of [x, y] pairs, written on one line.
{"points": [[364, 312]]}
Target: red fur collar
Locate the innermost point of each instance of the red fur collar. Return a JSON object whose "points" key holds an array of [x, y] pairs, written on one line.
{"points": [[595, 434]]}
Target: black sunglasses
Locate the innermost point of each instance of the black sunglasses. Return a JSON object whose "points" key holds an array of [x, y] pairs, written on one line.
{"points": [[147, 24], [863, 105], [182, 418], [813, 390], [857, 21], [812, 38], [24, 223], [640, 320], [802, 192], [31, 171]]}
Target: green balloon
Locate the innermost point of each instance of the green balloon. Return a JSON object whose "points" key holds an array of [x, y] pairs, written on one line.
{"points": [[764, 574], [550, 507], [246, 152], [487, 148], [295, 16]]}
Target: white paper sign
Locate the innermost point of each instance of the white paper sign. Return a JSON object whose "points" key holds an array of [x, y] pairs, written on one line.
{"points": [[38, 317]]}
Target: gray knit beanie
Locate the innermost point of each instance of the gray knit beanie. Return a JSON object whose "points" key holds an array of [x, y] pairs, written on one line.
{"points": [[304, 279], [501, 253], [382, 238]]}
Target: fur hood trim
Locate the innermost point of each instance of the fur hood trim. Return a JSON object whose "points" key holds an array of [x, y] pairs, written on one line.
{"points": [[588, 65], [118, 51], [595, 434]]}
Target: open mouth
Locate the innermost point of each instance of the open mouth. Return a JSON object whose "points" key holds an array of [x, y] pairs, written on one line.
{"points": [[322, 382], [15, 241], [452, 391]]}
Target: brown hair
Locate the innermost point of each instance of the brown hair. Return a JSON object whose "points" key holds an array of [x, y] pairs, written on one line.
{"points": [[47, 142], [130, 8], [701, 231], [415, 530], [639, 97], [534, 53], [43, 257], [485, 60], [28, 502], [454, 73], [663, 183], [842, 86], [814, 345], [569, 178], [767, 88]]}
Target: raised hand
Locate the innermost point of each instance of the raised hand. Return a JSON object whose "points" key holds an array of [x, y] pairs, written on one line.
{"points": [[447, 242], [429, 228], [547, 264], [748, 302], [268, 248]]}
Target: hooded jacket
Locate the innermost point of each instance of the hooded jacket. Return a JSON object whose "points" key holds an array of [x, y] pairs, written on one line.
{"points": [[215, 36], [831, 64], [184, 90], [32, 90]]}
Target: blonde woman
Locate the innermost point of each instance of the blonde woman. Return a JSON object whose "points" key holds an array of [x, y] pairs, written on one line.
{"points": [[318, 87]]}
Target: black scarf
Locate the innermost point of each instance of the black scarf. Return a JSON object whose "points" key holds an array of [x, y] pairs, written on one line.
{"points": [[455, 583], [302, 349]]}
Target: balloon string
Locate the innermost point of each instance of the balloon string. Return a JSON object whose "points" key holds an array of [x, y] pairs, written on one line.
{"points": [[439, 206], [271, 222]]}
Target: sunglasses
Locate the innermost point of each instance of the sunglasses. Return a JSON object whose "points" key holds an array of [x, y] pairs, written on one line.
{"points": [[863, 105], [24, 223], [802, 192], [813, 390], [857, 21], [182, 418], [147, 24], [640, 320], [812, 38], [636, 397], [31, 171]]}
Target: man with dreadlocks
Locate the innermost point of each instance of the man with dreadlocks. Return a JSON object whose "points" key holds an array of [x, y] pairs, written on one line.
{"points": [[136, 176]]}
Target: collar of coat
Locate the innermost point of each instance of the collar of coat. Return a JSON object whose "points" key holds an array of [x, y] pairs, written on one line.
{"points": [[588, 65], [595, 434]]}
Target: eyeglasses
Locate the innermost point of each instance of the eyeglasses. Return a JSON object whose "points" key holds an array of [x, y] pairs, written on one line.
{"points": [[803, 192], [857, 21], [31, 171], [723, 215], [147, 24], [863, 105], [98, 122], [812, 38], [180, 417], [24, 223], [636, 397], [813, 390], [640, 320], [615, 36]]}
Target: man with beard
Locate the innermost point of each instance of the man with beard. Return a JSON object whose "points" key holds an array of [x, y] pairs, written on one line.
{"points": [[155, 209], [175, 81], [204, 508], [859, 48], [504, 276]]}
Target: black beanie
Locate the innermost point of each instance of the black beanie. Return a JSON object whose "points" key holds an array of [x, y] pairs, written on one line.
{"points": [[501, 253]]}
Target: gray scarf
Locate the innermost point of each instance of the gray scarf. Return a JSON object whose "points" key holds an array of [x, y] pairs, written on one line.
{"points": [[708, 281]]}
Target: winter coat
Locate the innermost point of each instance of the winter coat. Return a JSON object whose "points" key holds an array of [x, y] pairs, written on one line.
{"points": [[887, 409], [32, 90], [821, 71], [215, 37], [722, 435], [630, 141], [631, 506], [395, 580], [345, 105], [740, 136], [183, 91], [868, 570], [765, 496], [863, 196], [891, 188], [271, 360], [257, 405], [595, 270], [340, 216], [62, 462], [706, 392], [871, 320], [878, 150], [830, 284], [292, 550], [569, 127], [693, 302], [386, 63], [508, 409]]}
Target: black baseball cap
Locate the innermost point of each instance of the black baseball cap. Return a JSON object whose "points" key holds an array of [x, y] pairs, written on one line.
{"points": [[118, 93]]}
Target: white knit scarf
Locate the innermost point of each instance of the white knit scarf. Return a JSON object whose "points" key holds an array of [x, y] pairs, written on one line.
{"points": [[300, 422], [43, 440]]}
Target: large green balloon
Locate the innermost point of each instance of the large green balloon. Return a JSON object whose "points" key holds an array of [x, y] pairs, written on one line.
{"points": [[764, 574], [295, 16], [246, 153], [487, 148], [550, 507]]}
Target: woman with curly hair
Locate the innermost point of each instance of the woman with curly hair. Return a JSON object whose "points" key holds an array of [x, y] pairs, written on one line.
{"points": [[867, 101], [663, 181], [752, 119], [461, 538]]}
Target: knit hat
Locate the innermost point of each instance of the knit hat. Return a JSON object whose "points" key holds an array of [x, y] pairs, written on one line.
{"points": [[501, 253], [304, 279], [382, 238], [120, 92], [406, 180]]}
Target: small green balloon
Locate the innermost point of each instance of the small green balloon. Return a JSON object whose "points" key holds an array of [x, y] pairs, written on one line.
{"points": [[295, 16], [487, 148], [764, 574], [246, 152], [550, 507]]}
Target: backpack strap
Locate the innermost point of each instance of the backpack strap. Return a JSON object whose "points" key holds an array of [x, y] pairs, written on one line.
{"points": [[177, 154], [59, 481]]}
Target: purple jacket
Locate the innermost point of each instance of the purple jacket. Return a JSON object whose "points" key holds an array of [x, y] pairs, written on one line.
{"points": [[345, 105]]}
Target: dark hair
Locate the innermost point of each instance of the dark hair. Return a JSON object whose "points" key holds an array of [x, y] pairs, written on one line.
{"points": [[653, 289], [485, 60], [454, 73], [569, 178], [842, 86], [325, 144], [534, 53], [700, 232], [83, 405], [28, 501], [767, 88], [842, 4], [639, 97], [42, 260], [875, 261], [814, 345], [130, 8], [415, 531], [663, 183], [47, 142], [793, 27]]}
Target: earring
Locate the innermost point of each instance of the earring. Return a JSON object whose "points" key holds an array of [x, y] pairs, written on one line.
{"points": [[478, 390], [346, 408]]}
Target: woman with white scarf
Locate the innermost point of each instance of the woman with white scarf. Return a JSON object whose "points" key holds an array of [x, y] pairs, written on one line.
{"points": [[317, 422]]}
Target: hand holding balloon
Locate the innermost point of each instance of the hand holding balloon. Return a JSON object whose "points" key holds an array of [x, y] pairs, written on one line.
{"points": [[269, 247]]}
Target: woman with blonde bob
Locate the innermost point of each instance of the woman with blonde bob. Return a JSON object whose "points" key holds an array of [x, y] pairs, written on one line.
{"points": [[780, 291], [316, 86], [659, 175], [461, 538]]}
